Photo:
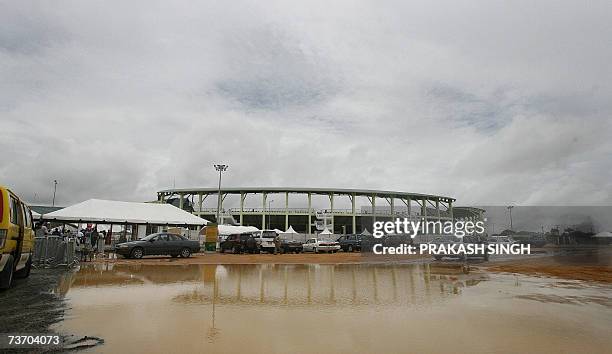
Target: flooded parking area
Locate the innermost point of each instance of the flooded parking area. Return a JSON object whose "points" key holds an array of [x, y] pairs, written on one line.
{"points": [[351, 308]]}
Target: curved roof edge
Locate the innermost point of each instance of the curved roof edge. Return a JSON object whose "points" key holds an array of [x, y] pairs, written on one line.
{"points": [[359, 192]]}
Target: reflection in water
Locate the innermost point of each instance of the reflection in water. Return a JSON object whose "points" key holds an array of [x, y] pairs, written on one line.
{"points": [[320, 308], [314, 285], [295, 285]]}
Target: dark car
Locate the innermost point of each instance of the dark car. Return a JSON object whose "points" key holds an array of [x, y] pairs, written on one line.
{"points": [[466, 240], [350, 243], [158, 244], [239, 243], [291, 246]]}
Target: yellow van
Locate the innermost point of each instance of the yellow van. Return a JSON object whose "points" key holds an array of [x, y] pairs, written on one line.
{"points": [[16, 238]]}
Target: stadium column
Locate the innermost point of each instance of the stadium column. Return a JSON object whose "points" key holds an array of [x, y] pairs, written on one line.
{"points": [[424, 209], [392, 202], [181, 201], [263, 214], [438, 207], [373, 209], [331, 206], [242, 196], [286, 210], [450, 209], [200, 204], [309, 227], [408, 202], [353, 197]]}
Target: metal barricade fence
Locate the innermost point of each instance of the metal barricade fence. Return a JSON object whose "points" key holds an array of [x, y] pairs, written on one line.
{"points": [[53, 251]]}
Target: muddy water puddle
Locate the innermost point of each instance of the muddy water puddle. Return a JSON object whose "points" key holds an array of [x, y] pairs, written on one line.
{"points": [[331, 309]]}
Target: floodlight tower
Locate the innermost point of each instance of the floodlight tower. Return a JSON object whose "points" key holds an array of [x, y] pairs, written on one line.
{"points": [[221, 169], [510, 209], [54, 190]]}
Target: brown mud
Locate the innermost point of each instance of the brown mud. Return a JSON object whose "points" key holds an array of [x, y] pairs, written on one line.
{"points": [[577, 264]]}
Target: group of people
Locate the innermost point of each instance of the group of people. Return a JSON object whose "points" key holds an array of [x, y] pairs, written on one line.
{"points": [[88, 240]]}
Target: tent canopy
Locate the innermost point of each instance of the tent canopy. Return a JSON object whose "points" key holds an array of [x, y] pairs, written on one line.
{"points": [[290, 230], [366, 232], [326, 232], [110, 211], [604, 234], [225, 230]]}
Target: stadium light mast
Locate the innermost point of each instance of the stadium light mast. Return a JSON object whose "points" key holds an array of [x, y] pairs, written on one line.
{"points": [[510, 209], [269, 209], [221, 169], [54, 191]]}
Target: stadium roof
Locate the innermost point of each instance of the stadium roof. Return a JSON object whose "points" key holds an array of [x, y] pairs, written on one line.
{"points": [[326, 191]]}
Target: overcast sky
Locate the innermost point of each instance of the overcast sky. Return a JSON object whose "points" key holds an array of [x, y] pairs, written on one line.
{"points": [[489, 102]]}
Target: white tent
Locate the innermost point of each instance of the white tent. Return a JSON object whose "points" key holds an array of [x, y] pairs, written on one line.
{"points": [[366, 232], [278, 231], [225, 230], [604, 234], [35, 215], [326, 232], [110, 211], [290, 230]]}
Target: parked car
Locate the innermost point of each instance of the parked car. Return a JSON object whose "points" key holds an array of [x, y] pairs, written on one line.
{"points": [[465, 240], [290, 246], [158, 244], [239, 243], [350, 243], [16, 238], [534, 241], [265, 240], [502, 240], [316, 246]]}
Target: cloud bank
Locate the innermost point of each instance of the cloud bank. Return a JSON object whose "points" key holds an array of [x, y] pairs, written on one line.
{"points": [[488, 102]]}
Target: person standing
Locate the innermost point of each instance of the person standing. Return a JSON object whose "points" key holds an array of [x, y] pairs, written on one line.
{"points": [[277, 244], [101, 240], [251, 244], [94, 239]]}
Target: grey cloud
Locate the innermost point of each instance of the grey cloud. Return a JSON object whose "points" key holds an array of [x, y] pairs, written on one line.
{"points": [[271, 70], [488, 104]]}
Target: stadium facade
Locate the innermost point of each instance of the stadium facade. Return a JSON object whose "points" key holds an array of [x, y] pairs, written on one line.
{"points": [[382, 206]]}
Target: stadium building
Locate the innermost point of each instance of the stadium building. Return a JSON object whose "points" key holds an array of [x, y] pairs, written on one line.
{"points": [[341, 214]]}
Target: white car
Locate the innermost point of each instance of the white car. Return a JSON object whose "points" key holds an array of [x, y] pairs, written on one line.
{"points": [[502, 240], [265, 240], [316, 246]]}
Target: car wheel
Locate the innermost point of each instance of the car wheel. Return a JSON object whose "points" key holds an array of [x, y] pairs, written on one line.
{"points": [[25, 272], [350, 248], [137, 253], [185, 253], [6, 277]]}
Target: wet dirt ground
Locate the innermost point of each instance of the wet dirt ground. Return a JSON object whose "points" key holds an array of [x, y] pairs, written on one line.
{"points": [[161, 305], [588, 264], [263, 258], [33, 304]]}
